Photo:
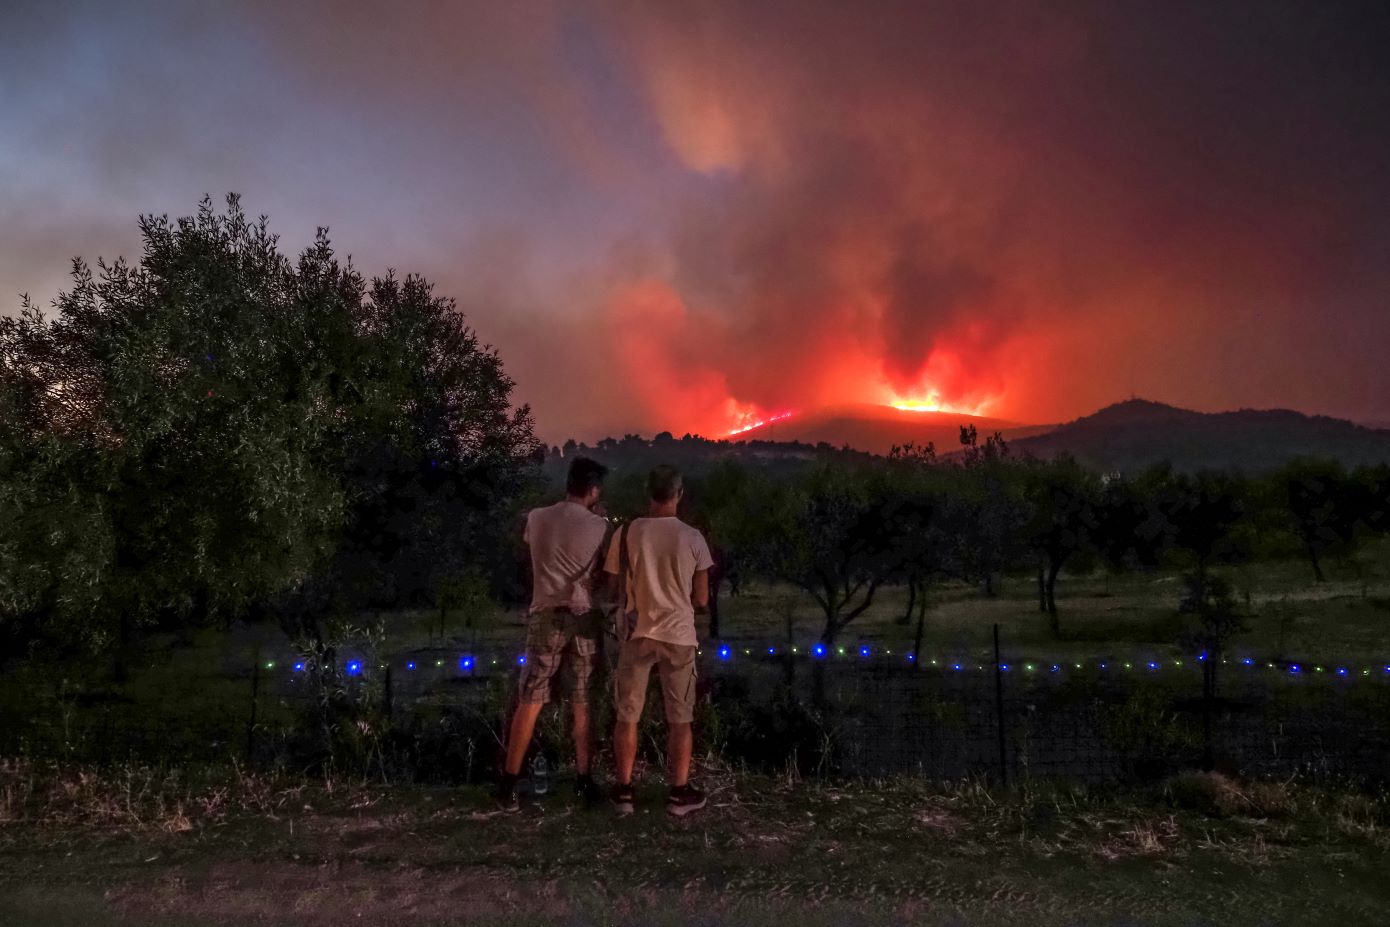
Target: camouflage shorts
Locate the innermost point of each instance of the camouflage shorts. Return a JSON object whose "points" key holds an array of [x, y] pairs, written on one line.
{"points": [[559, 641]]}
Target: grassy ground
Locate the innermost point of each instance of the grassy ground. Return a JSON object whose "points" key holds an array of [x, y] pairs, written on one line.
{"points": [[145, 848]]}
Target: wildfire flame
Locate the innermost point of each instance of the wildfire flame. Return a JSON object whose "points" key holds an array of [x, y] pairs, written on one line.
{"points": [[930, 401], [751, 422]]}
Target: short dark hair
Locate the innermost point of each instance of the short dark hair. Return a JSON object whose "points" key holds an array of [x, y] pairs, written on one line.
{"points": [[585, 474], [663, 483]]}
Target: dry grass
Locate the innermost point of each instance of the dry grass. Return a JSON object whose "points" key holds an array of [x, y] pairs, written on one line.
{"points": [[224, 847]]}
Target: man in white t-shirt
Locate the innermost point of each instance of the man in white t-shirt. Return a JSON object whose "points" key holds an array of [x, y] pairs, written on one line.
{"points": [[666, 565], [563, 629]]}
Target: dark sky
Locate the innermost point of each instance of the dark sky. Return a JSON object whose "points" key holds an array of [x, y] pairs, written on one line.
{"points": [[677, 216]]}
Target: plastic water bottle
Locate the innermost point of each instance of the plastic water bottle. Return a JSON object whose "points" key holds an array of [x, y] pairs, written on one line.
{"points": [[540, 775]]}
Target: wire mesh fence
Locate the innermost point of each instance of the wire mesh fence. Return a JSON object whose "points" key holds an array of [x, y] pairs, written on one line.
{"points": [[433, 715]]}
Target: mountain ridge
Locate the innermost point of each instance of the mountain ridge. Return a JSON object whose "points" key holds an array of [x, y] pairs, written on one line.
{"points": [[1125, 435]]}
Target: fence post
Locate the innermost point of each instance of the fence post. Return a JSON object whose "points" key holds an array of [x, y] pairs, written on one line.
{"points": [[255, 694], [999, 711]]}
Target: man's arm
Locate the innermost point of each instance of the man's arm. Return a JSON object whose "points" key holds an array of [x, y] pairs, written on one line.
{"points": [[699, 590]]}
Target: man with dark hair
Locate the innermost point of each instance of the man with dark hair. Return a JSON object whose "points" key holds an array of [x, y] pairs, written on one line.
{"points": [[563, 628], [663, 568]]}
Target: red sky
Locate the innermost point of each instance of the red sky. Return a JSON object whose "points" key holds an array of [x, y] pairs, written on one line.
{"points": [[669, 216]]}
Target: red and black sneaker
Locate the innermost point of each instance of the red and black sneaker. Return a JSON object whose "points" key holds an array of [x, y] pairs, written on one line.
{"points": [[587, 790], [684, 799], [506, 797], [623, 798]]}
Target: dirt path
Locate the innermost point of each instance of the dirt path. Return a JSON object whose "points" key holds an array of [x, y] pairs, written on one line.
{"points": [[762, 854]]}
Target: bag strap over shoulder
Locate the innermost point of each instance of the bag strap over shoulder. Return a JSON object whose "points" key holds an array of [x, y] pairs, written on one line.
{"points": [[621, 621]]}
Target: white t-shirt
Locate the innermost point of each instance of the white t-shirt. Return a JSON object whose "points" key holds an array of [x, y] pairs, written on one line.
{"points": [[564, 539], [664, 555]]}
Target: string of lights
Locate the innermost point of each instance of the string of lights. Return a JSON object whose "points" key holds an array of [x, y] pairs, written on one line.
{"points": [[867, 654]]}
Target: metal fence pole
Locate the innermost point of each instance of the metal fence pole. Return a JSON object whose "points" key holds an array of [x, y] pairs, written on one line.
{"points": [[255, 693], [999, 711]]}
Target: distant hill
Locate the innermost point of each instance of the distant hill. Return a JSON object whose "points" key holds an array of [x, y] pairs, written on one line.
{"points": [[1132, 434], [875, 429]]}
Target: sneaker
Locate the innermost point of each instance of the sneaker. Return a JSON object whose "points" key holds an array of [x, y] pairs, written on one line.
{"points": [[587, 790], [623, 799], [683, 799], [507, 799]]}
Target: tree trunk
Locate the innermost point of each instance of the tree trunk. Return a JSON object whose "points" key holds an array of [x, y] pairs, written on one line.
{"points": [[1042, 590], [989, 584], [1052, 622], [714, 607], [1317, 567], [911, 602]]}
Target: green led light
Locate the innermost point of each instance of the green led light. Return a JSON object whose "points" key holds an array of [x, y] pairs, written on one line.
{"points": [[1028, 667], [841, 650]]}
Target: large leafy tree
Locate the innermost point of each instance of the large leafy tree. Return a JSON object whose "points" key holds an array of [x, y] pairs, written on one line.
{"points": [[1324, 505], [225, 422], [1065, 501], [827, 530]]}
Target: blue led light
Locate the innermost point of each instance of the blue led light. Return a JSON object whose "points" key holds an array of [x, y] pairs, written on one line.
{"points": [[771, 651], [955, 666], [354, 667], [1293, 668], [1004, 667], [521, 660], [1153, 666], [818, 651], [1103, 665], [410, 665], [465, 663], [725, 653], [912, 658], [1341, 671], [299, 667], [1055, 667], [1202, 655], [865, 651], [1247, 661]]}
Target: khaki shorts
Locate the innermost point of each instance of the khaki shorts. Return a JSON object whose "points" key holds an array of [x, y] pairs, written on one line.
{"points": [[674, 663], [559, 641]]}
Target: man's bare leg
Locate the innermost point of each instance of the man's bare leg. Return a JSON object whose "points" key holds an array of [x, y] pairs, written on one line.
{"points": [[624, 750], [583, 749], [679, 745], [519, 736]]}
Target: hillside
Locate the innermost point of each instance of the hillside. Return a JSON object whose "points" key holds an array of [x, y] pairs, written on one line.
{"points": [[1137, 432], [875, 429]]}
